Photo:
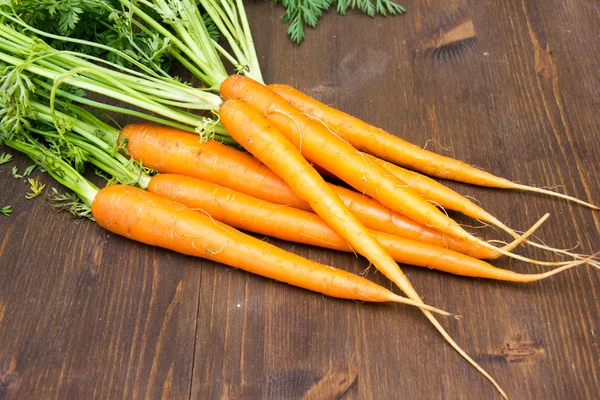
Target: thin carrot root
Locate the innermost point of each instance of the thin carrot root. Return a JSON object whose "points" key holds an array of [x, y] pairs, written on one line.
{"points": [[566, 253], [523, 238], [522, 258], [539, 277], [403, 300], [554, 194], [464, 355], [507, 250], [424, 307]]}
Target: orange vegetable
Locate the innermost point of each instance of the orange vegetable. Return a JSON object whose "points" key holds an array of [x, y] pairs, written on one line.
{"points": [[327, 150], [287, 223], [154, 220], [375, 141], [258, 135], [169, 150]]}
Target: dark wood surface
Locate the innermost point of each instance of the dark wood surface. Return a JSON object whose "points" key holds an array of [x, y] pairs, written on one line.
{"points": [[509, 86]]}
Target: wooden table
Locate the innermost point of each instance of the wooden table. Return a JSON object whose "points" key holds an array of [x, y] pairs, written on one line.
{"points": [[509, 86]]}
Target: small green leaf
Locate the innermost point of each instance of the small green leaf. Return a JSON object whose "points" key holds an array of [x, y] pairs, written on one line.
{"points": [[36, 188], [15, 172], [6, 210], [71, 203], [5, 157], [28, 170], [301, 12]]}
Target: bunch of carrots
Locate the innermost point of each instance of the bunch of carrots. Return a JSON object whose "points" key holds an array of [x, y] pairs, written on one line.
{"points": [[202, 192]]}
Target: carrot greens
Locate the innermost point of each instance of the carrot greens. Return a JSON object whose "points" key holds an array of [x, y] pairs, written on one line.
{"points": [[5, 157], [307, 12], [6, 210], [35, 188], [153, 33]]}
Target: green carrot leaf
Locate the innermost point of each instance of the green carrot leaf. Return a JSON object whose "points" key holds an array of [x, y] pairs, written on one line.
{"points": [[5, 157], [6, 210], [301, 12], [28, 170], [15, 172], [71, 203], [35, 188]]}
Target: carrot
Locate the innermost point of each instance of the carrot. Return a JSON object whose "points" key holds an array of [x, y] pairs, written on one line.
{"points": [[154, 220], [377, 217], [287, 223], [382, 144], [324, 148], [259, 137], [445, 197], [183, 153], [439, 194], [151, 219]]}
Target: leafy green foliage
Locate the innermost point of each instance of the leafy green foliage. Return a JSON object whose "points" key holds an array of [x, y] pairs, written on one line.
{"points": [[6, 210], [15, 172], [75, 18], [26, 172], [62, 147], [5, 157], [15, 88], [300, 12], [98, 21], [211, 28], [35, 188], [71, 203]]}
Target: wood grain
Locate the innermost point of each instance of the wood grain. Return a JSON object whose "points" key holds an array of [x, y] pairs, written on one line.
{"points": [[509, 86]]}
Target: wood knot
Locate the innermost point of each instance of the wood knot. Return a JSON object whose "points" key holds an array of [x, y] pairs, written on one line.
{"points": [[452, 34], [333, 385], [521, 352]]}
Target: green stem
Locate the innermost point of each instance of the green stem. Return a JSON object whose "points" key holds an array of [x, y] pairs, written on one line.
{"points": [[110, 108], [255, 71], [59, 169], [124, 172], [215, 77]]}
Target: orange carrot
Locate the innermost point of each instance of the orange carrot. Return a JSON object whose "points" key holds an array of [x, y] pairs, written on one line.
{"points": [[445, 197], [148, 218], [170, 150], [324, 148], [382, 144], [261, 138], [375, 216], [438, 194], [183, 153], [328, 150], [287, 223]]}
